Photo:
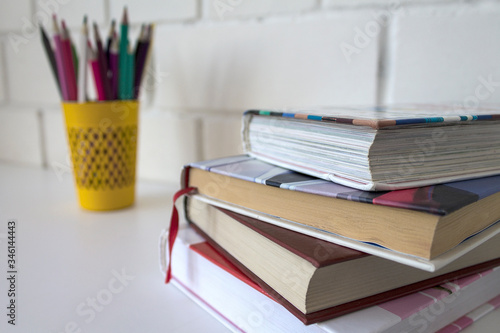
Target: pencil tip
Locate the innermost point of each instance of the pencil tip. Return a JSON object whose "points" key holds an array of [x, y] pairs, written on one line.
{"points": [[96, 30], [112, 28], [125, 15], [55, 26], [85, 19]]}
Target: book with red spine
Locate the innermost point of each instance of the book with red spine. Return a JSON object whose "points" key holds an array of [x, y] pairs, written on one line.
{"points": [[207, 277]]}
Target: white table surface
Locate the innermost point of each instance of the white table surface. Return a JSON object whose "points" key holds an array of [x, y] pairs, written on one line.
{"points": [[68, 259]]}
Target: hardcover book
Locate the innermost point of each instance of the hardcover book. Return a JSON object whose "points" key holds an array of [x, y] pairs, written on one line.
{"points": [[315, 279], [426, 227], [472, 317], [219, 287], [378, 148]]}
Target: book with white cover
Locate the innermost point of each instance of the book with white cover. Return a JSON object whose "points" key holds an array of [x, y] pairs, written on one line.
{"points": [[378, 148]]}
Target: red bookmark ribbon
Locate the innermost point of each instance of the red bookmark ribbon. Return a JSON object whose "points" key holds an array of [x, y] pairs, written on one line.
{"points": [[174, 229]]}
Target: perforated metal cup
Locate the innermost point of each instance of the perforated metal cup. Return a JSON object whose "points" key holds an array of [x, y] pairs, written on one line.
{"points": [[102, 138]]}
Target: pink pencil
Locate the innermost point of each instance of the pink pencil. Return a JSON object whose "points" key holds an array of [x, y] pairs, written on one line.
{"points": [[103, 63], [60, 59], [69, 66], [94, 64]]}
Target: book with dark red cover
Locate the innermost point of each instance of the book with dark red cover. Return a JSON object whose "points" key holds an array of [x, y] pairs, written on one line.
{"points": [[304, 246], [318, 252]]}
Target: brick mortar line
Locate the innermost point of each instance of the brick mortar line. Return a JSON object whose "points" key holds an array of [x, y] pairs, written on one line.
{"points": [[107, 12], [383, 61], [202, 9], [406, 4], [386, 79], [3, 64], [191, 111], [202, 19]]}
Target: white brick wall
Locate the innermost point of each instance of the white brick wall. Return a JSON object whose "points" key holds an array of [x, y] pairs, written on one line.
{"points": [[2, 74], [444, 53], [166, 143], [154, 10], [221, 136], [72, 11], [276, 64], [13, 14], [231, 9], [383, 3], [20, 136], [54, 137], [215, 58], [29, 79]]}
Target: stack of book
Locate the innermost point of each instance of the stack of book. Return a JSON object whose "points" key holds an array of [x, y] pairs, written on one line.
{"points": [[344, 220]]}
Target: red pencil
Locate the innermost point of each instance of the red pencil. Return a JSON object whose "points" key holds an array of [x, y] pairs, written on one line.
{"points": [[94, 64], [60, 59], [103, 63], [69, 66]]}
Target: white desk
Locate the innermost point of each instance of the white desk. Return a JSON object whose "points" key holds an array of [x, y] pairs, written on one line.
{"points": [[68, 260]]}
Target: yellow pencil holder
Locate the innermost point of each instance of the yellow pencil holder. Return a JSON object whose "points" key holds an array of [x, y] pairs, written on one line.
{"points": [[102, 138]]}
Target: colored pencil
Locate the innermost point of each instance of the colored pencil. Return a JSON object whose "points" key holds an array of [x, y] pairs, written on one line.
{"points": [[103, 65], [140, 58], [113, 66], [140, 39], [49, 51], [123, 91], [117, 67], [98, 80], [111, 34], [59, 58], [69, 66], [74, 54], [82, 66], [147, 56], [130, 73]]}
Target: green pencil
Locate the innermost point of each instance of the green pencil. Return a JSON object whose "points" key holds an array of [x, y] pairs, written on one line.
{"points": [[123, 92], [75, 59]]}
